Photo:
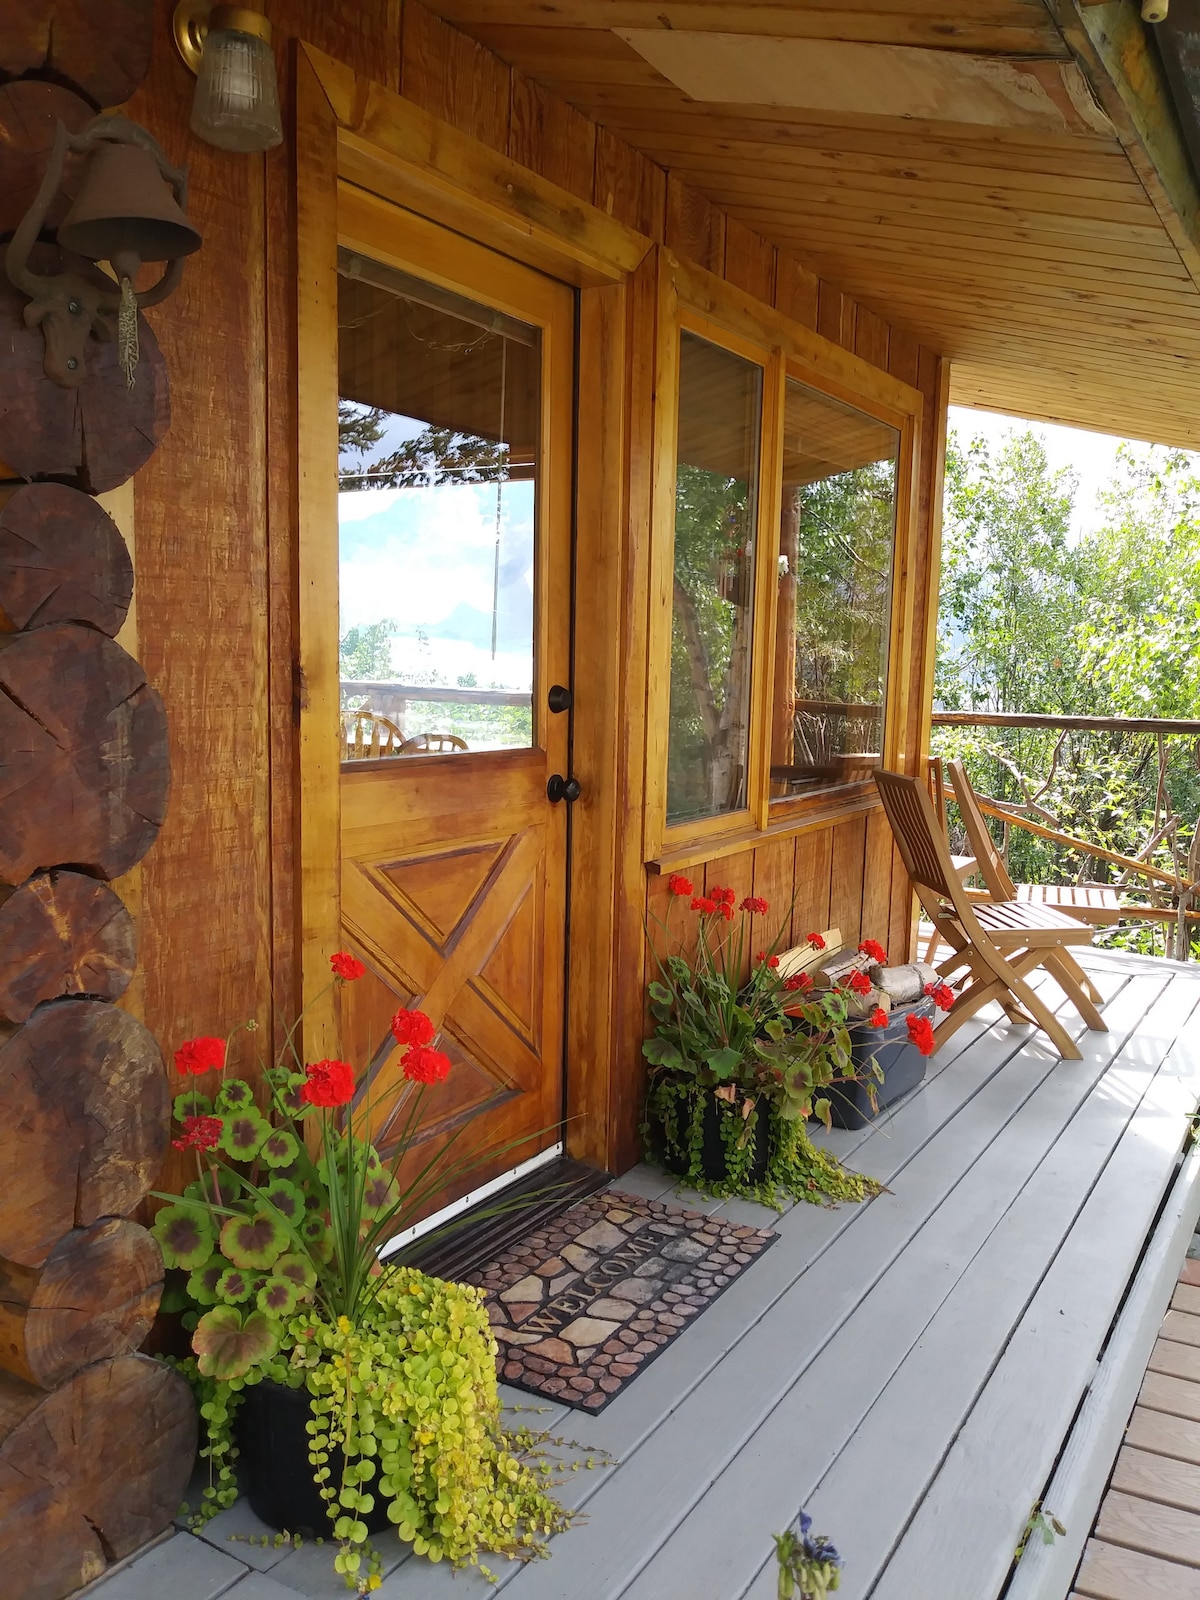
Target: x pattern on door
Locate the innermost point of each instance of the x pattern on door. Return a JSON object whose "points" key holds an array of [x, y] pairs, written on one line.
{"points": [[457, 932]]}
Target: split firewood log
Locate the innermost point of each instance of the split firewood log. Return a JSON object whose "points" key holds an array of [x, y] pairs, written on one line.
{"points": [[62, 559], [84, 1128], [103, 50], [94, 1297], [30, 112], [89, 1472], [84, 767], [63, 934], [94, 436]]}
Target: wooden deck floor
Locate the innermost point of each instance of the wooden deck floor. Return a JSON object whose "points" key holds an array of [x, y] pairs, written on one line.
{"points": [[1146, 1540], [906, 1370]]}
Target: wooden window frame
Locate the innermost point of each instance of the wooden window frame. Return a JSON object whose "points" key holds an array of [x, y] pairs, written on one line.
{"points": [[696, 300]]}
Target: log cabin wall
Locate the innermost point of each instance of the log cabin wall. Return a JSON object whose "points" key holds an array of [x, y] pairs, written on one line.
{"points": [[216, 519]]}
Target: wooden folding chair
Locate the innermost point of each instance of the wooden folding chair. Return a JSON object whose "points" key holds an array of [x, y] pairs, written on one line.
{"points": [[1000, 942], [1002, 889], [964, 866]]}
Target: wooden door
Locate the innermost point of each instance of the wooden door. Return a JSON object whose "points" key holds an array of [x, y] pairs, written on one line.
{"points": [[456, 377]]}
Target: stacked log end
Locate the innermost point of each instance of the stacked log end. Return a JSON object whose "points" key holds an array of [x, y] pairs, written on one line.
{"points": [[96, 1441]]}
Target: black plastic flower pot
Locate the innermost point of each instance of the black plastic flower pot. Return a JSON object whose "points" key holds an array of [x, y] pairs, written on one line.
{"points": [[714, 1163], [274, 1468], [902, 1064]]}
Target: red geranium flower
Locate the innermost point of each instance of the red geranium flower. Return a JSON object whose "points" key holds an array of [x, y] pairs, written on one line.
{"points": [[346, 966], [764, 959], [199, 1133], [815, 940], [755, 905], [798, 980], [412, 1027], [941, 994], [872, 948], [330, 1083], [878, 1018], [920, 1031], [705, 907], [422, 1065], [200, 1055], [725, 908], [860, 983], [679, 884]]}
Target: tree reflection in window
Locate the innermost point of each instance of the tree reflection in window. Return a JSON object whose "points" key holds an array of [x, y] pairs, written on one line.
{"points": [[837, 531], [716, 490]]}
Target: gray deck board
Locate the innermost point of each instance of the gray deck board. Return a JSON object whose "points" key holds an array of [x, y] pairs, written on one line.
{"points": [[828, 1261]]}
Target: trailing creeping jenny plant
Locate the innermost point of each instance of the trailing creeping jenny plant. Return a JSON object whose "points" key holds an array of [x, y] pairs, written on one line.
{"points": [[274, 1247], [763, 1047]]}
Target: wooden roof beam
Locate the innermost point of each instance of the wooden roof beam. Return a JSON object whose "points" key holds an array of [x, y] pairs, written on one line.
{"points": [[1111, 44]]}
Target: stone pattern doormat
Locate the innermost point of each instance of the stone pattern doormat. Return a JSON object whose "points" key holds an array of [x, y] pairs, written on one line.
{"points": [[582, 1304]]}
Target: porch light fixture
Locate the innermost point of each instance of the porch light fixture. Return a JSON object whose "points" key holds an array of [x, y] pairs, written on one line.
{"points": [[236, 104]]}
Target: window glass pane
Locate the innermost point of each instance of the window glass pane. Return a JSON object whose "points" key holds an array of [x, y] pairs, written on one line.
{"points": [[437, 499], [834, 594], [716, 491]]}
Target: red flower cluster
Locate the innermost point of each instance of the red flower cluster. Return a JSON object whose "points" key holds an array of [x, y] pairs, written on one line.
{"points": [[764, 959], [860, 983], [723, 897], [346, 966], [422, 1065], [878, 1018], [200, 1055], [755, 905], [679, 884], [199, 1133], [920, 1032], [413, 1027], [330, 1083], [815, 940], [798, 980], [941, 994], [706, 908], [872, 948]]}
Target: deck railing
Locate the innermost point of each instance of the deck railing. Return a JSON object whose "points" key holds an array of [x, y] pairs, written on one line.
{"points": [[443, 708], [1080, 799]]}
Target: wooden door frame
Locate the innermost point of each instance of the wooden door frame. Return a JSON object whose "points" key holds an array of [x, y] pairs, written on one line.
{"points": [[351, 129]]}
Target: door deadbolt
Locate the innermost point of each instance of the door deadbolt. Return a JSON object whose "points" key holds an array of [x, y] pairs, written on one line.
{"points": [[560, 788]]}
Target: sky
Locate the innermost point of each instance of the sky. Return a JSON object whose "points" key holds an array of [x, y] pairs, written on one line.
{"points": [[1093, 456]]}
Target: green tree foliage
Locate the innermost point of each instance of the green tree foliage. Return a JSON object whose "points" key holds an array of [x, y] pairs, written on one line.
{"points": [[1107, 624], [366, 651]]}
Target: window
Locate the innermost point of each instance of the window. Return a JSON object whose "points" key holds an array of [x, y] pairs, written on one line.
{"points": [[779, 619], [438, 419], [836, 536], [712, 616]]}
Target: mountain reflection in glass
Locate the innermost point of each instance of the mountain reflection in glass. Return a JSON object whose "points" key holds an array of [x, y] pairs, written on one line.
{"points": [[438, 425], [716, 494], [834, 592]]}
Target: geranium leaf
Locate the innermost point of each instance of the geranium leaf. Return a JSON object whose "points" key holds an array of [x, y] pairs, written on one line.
{"points": [[279, 1149], [227, 1345], [185, 1234], [202, 1283], [234, 1285], [243, 1133], [235, 1095], [278, 1297], [191, 1104], [299, 1270], [254, 1242], [287, 1199]]}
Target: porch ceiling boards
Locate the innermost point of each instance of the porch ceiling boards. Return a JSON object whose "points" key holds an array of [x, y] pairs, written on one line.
{"points": [[1054, 262]]}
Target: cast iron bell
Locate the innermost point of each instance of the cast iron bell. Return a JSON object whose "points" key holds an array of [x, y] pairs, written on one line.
{"points": [[125, 212]]}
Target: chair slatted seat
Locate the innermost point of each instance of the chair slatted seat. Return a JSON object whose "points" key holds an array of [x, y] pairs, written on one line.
{"points": [[999, 941]]}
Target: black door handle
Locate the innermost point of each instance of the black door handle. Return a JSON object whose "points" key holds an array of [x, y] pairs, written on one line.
{"points": [[560, 788], [560, 698]]}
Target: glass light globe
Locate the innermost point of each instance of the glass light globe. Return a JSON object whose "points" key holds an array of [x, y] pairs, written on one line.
{"points": [[236, 105]]}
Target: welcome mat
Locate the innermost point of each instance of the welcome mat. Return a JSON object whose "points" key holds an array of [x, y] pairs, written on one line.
{"points": [[582, 1304]]}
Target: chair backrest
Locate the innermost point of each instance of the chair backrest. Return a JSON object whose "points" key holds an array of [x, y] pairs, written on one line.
{"points": [[937, 789], [431, 743], [370, 735], [988, 858], [919, 839]]}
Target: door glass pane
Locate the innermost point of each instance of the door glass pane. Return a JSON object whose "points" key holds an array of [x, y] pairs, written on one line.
{"points": [[836, 539], [716, 493], [437, 501]]}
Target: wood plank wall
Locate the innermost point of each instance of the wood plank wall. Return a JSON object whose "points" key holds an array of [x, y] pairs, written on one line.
{"points": [[216, 505]]}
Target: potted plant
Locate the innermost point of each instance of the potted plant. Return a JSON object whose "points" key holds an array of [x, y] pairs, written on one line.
{"points": [[889, 1047], [367, 1390], [737, 1066]]}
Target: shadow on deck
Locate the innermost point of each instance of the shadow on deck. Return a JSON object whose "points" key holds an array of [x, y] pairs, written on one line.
{"points": [[907, 1370]]}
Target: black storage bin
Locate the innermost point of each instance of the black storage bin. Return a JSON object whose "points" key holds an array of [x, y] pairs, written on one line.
{"points": [[902, 1063]]}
